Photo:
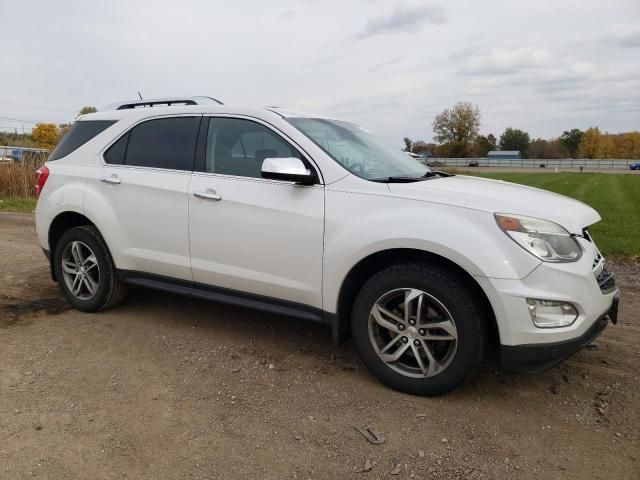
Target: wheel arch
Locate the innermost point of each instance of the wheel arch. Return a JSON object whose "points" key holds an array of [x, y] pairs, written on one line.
{"points": [[378, 261], [60, 224]]}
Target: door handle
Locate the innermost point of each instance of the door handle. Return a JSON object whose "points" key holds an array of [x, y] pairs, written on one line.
{"points": [[114, 180], [208, 195]]}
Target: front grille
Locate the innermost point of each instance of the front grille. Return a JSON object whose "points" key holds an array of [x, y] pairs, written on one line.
{"points": [[606, 279]]}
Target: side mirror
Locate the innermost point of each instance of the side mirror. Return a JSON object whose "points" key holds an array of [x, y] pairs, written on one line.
{"points": [[287, 168]]}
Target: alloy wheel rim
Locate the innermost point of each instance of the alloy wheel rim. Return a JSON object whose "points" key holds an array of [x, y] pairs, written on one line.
{"points": [[413, 333], [80, 270]]}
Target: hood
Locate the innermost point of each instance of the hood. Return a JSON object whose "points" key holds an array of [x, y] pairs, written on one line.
{"points": [[496, 196]]}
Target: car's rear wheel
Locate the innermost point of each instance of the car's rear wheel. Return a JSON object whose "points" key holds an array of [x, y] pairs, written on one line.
{"points": [[419, 328], [85, 271]]}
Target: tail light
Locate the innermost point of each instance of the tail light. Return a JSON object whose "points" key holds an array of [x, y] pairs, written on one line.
{"points": [[41, 178]]}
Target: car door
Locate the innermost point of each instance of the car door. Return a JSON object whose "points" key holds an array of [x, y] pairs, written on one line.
{"points": [[251, 234], [144, 183]]}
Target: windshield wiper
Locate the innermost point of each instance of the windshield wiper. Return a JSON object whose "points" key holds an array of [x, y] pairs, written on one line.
{"points": [[398, 179], [426, 176], [437, 173]]}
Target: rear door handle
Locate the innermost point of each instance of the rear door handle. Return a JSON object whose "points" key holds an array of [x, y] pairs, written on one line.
{"points": [[208, 195], [113, 179]]}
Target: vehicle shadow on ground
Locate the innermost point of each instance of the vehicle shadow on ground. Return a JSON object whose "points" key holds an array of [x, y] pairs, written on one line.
{"points": [[267, 335], [281, 337]]}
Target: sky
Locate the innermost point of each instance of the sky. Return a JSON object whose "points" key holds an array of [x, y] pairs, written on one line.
{"points": [[390, 66]]}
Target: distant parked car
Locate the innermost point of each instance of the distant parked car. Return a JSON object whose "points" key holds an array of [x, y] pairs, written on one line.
{"points": [[435, 163], [634, 166], [474, 163]]}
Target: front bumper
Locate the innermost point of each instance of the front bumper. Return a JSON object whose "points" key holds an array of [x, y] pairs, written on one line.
{"points": [[585, 284], [537, 357], [577, 283]]}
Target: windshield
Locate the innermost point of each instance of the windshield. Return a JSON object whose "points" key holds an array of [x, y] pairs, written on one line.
{"points": [[358, 151]]}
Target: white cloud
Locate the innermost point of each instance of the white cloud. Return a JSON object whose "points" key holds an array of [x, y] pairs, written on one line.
{"points": [[505, 61], [385, 64], [403, 19], [625, 35], [287, 14]]}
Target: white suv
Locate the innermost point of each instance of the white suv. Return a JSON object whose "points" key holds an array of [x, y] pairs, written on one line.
{"points": [[313, 217]]}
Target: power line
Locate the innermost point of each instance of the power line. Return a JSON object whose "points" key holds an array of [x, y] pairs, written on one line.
{"points": [[23, 120], [38, 107]]}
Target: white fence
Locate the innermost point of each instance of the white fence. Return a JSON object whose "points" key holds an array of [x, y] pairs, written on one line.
{"points": [[586, 163]]}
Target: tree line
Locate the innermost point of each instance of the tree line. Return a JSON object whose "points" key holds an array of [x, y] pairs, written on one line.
{"points": [[456, 131], [43, 135], [457, 135]]}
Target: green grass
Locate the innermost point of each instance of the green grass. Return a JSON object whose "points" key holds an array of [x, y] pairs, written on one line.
{"points": [[15, 204], [615, 197]]}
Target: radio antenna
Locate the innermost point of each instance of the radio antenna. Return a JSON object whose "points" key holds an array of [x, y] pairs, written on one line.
{"points": [[140, 95]]}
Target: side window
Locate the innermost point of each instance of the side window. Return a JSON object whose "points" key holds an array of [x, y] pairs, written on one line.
{"points": [[81, 132], [116, 152], [162, 143], [238, 147]]}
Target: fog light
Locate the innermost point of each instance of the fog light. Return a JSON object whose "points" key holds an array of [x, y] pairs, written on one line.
{"points": [[551, 313]]}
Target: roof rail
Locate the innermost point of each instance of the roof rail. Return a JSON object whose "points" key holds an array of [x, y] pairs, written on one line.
{"points": [[162, 102]]}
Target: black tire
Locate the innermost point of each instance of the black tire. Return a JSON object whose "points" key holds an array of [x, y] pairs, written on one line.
{"points": [[459, 300], [110, 290]]}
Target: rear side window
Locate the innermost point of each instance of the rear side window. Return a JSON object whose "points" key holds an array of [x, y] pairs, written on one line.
{"points": [[162, 143], [115, 154], [79, 134]]}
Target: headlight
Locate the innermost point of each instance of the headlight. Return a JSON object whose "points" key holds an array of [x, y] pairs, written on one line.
{"points": [[546, 240]]}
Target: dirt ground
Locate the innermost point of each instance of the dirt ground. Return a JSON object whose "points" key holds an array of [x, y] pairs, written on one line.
{"points": [[168, 387]]}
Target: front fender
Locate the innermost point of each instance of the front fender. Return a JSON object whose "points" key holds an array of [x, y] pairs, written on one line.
{"points": [[359, 225]]}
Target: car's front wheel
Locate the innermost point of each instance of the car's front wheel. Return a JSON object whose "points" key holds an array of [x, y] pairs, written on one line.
{"points": [[419, 328], [85, 271]]}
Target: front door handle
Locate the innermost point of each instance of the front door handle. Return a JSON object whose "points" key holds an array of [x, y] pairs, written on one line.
{"points": [[208, 195], [113, 179]]}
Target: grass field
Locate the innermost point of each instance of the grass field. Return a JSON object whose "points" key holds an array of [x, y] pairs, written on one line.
{"points": [[615, 197], [15, 204]]}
